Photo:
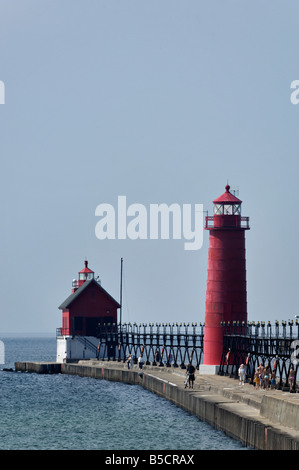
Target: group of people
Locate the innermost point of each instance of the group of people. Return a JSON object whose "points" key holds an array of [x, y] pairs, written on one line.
{"points": [[264, 378], [157, 359], [190, 370], [130, 361]]}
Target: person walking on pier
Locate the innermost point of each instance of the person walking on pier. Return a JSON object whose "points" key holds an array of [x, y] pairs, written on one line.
{"points": [[242, 374], [267, 377], [257, 380], [273, 380], [291, 379], [130, 361], [140, 361], [191, 375], [262, 378]]}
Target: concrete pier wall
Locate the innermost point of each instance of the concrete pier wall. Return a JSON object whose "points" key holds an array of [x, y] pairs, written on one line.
{"points": [[258, 421], [38, 367]]}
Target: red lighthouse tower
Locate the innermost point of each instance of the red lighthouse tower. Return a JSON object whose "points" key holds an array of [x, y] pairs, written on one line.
{"points": [[226, 296]]}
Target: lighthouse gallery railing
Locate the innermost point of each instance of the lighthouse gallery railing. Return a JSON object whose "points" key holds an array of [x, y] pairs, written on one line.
{"points": [[234, 221]]}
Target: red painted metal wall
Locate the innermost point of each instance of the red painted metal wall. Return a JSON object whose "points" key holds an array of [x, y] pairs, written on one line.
{"points": [[92, 303], [87, 307], [226, 294]]}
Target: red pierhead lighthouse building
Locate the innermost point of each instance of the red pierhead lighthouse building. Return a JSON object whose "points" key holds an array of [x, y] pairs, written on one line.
{"points": [[87, 309], [226, 296]]}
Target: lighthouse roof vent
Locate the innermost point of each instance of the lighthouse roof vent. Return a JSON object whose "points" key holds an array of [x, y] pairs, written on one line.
{"points": [[86, 268], [227, 197]]}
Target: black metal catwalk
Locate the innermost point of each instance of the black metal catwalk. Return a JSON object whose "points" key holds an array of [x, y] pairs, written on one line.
{"points": [[273, 345], [159, 344]]}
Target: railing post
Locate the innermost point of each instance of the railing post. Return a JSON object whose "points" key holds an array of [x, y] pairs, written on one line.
{"points": [[291, 323], [284, 326], [269, 330]]}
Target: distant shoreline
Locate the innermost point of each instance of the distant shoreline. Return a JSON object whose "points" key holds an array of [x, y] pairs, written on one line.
{"points": [[27, 335]]}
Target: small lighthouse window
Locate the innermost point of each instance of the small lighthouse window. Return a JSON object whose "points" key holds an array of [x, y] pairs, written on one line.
{"points": [[232, 209], [237, 209], [228, 209], [218, 209], [90, 276]]}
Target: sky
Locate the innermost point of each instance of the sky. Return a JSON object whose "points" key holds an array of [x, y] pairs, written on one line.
{"points": [[161, 102]]}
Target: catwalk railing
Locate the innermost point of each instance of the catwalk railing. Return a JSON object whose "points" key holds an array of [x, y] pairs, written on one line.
{"points": [[159, 344], [177, 344], [272, 345]]}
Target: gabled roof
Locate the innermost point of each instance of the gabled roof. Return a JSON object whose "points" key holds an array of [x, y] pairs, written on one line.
{"points": [[79, 291], [227, 197]]}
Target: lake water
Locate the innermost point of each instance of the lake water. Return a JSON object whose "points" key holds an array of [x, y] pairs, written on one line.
{"points": [[62, 412]]}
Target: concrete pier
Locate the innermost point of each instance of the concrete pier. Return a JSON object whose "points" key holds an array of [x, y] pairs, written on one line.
{"points": [[265, 420], [38, 367]]}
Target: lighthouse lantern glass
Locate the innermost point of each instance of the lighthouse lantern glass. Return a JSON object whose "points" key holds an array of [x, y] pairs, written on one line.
{"points": [[86, 276], [236, 209], [227, 209], [218, 209]]}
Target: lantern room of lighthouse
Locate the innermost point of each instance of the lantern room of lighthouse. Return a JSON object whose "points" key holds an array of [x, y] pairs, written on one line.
{"points": [[85, 274]]}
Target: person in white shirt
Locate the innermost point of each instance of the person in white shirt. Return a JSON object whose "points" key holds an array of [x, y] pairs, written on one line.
{"points": [[140, 361], [242, 374]]}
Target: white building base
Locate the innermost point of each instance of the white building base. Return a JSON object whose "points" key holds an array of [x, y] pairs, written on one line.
{"points": [[69, 348], [207, 369]]}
